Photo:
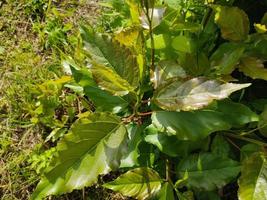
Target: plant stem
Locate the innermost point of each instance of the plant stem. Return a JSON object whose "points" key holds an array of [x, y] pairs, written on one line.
{"points": [[145, 113], [168, 176], [246, 139]]}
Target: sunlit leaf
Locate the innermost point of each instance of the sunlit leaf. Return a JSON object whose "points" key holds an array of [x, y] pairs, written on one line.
{"points": [[110, 81], [260, 28], [167, 69], [253, 180], [166, 192], [161, 41], [92, 147], [233, 22], [183, 44], [207, 171], [253, 67], [193, 94], [156, 17], [105, 51], [128, 37], [139, 183], [199, 124]]}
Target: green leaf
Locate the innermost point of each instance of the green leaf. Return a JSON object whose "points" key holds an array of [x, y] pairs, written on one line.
{"points": [[171, 146], [262, 125], [161, 41], [207, 171], [92, 147], [166, 192], [139, 183], [187, 26], [195, 64], [130, 157], [220, 146], [183, 44], [253, 67], [206, 121], [110, 81], [193, 94], [203, 195], [226, 57], [167, 69], [253, 180], [233, 22], [249, 149], [104, 101], [104, 51]]}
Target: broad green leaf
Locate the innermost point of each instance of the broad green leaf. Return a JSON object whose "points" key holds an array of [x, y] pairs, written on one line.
{"points": [[130, 157], [104, 101], [253, 67], [226, 57], [207, 171], [195, 64], [110, 81], [207, 195], [220, 146], [93, 146], [161, 41], [193, 94], [166, 192], [105, 51], [167, 69], [171, 146], [257, 46], [233, 22], [253, 180], [183, 44], [206, 121], [139, 183], [249, 149]]}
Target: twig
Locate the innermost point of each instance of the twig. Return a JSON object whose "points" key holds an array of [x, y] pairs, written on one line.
{"points": [[235, 145], [145, 113], [246, 139]]}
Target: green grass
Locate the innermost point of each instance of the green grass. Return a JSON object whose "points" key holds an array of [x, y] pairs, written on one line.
{"points": [[31, 32]]}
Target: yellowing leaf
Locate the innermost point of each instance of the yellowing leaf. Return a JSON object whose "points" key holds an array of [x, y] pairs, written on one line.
{"points": [[233, 22], [253, 67], [127, 37], [260, 28], [193, 94]]}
